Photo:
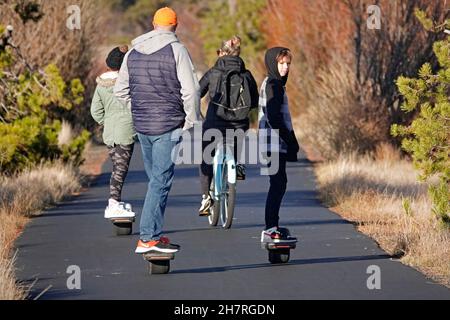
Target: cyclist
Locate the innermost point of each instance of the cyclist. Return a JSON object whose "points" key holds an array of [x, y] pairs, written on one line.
{"points": [[274, 114], [228, 108]]}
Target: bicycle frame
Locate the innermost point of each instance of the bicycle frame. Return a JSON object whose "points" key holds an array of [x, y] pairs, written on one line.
{"points": [[222, 159]]}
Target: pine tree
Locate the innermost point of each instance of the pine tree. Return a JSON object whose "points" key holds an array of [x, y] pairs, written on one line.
{"points": [[139, 15], [427, 139], [30, 99], [223, 19]]}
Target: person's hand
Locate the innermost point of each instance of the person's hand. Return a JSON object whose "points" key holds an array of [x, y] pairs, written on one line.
{"points": [[293, 148]]}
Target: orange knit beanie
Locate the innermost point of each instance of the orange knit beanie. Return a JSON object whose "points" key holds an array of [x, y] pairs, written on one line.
{"points": [[165, 17]]}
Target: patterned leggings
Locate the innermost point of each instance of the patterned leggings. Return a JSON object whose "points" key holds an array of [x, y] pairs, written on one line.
{"points": [[121, 157]]}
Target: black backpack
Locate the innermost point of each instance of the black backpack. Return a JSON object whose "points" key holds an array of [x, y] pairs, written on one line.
{"points": [[232, 96]]}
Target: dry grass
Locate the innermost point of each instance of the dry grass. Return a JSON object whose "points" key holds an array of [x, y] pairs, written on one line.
{"points": [[336, 123], [9, 228], [22, 197], [50, 41], [318, 33], [37, 188], [66, 135], [376, 195], [25, 196]]}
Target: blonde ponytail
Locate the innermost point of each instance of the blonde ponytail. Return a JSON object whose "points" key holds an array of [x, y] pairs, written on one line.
{"points": [[231, 47]]}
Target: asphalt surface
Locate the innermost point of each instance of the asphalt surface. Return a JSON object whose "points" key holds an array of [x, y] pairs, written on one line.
{"points": [[332, 259]]}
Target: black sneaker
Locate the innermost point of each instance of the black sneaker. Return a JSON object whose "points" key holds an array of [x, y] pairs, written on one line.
{"points": [[166, 240], [240, 172]]}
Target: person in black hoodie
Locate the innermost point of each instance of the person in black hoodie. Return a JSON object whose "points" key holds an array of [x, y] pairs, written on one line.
{"points": [[274, 114], [229, 60]]}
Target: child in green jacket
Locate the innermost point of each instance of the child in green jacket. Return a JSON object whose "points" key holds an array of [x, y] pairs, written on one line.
{"points": [[118, 132]]}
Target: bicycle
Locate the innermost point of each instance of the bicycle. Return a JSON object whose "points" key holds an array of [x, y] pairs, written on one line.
{"points": [[223, 187]]}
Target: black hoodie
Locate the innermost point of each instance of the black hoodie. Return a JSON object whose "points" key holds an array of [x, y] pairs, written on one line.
{"points": [[275, 91], [272, 65], [209, 83]]}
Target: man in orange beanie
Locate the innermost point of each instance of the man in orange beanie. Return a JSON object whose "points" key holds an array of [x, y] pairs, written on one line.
{"points": [[158, 79]]}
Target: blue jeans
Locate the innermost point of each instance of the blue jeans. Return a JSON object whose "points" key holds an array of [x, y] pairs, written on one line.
{"points": [[159, 166]]}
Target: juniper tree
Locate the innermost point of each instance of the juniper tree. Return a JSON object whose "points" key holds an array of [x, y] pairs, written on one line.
{"points": [[427, 139], [224, 18], [29, 102]]}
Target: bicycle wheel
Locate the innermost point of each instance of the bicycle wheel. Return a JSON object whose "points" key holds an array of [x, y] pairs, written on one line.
{"points": [[214, 211], [227, 200]]}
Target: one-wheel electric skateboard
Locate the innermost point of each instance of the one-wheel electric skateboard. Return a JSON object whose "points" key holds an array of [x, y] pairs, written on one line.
{"points": [[122, 226], [280, 250], [159, 263]]}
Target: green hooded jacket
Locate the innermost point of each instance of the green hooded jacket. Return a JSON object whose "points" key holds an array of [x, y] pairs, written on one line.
{"points": [[111, 113]]}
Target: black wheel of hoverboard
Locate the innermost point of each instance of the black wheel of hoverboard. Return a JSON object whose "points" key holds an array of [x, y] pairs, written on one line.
{"points": [[159, 267], [279, 256], [123, 228]]}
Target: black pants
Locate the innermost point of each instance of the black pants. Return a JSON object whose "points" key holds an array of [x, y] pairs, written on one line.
{"points": [[120, 156], [277, 190]]}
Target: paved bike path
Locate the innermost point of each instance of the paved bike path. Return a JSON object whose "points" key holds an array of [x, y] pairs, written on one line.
{"points": [[330, 262]]}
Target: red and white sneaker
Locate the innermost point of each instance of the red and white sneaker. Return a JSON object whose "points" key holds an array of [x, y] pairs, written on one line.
{"points": [[160, 246], [271, 235]]}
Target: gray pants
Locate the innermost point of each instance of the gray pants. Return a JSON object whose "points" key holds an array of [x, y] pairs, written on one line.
{"points": [[121, 157]]}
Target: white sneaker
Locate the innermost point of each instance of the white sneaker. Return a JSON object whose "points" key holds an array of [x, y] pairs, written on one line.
{"points": [[270, 235], [118, 210], [207, 203], [128, 207]]}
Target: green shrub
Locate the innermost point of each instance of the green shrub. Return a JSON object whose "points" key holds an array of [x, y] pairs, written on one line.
{"points": [[30, 101], [221, 22], [427, 139]]}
